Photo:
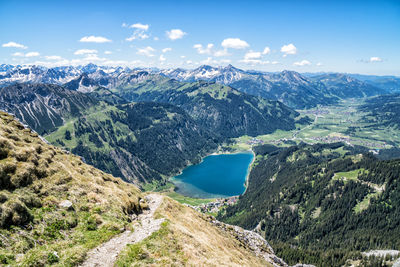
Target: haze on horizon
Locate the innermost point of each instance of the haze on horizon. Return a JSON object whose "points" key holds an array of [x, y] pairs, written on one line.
{"points": [[305, 36]]}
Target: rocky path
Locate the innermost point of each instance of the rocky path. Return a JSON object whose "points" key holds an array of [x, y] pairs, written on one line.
{"points": [[106, 254]]}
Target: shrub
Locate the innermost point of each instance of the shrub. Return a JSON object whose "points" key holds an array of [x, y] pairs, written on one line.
{"points": [[14, 212], [91, 223], [52, 257]]}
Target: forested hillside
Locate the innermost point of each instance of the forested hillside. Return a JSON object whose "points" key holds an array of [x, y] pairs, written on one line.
{"points": [[218, 108], [320, 204], [383, 111], [140, 142]]}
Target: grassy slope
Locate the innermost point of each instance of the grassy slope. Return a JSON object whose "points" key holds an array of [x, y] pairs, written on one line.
{"points": [[35, 178], [188, 238]]}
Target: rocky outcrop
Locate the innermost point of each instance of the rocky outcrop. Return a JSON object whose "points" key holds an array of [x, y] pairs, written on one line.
{"points": [[250, 240]]}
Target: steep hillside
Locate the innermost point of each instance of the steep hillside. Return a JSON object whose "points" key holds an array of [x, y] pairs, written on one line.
{"points": [[43, 107], [118, 139], [218, 108], [140, 142], [54, 207], [56, 210], [320, 204], [344, 86], [189, 238], [383, 111]]}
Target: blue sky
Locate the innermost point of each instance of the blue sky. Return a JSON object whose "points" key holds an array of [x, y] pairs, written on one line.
{"points": [[305, 36]]}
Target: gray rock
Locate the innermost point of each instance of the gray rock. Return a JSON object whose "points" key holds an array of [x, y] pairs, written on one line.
{"points": [[66, 204]]}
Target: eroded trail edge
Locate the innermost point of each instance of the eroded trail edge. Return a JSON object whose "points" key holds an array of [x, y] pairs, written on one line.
{"points": [[107, 253]]}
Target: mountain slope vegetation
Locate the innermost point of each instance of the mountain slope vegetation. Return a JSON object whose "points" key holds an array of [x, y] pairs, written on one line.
{"points": [[140, 142], [382, 111], [321, 204], [54, 207], [218, 108]]}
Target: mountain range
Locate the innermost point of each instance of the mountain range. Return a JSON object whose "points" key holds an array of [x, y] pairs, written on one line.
{"points": [[292, 88]]}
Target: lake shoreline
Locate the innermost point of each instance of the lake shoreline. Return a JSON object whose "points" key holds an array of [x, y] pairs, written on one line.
{"points": [[194, 194]]}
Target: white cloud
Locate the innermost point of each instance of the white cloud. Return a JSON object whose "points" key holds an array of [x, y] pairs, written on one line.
{"points": [[94, 39], [18, 54], [53, 57], [211, 61], [274, 62], [156, 38], [234, 43], [175, 34], [208, 50], [225, 61], [140, 26], [32, 54], [162, 58], [183, 56], [221, 53], [93, 57], [138, 35], [204, 50], [302, 63], [146, 51], [107, 52], [167, 49], [15, 45], [254, 61], [266, 51], [85, 51], [289, 49], [252, 55], [375, 59], [319, 64]]}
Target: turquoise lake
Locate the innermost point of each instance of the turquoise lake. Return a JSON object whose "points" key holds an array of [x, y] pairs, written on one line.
{"points": [[216, 176]]}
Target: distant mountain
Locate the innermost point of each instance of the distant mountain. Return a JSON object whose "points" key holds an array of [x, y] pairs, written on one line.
{"points": [[389, 83], [44, 107], [58, 75], [345, 86], [321, 204], [218, 108], [290, 87], [37, 74], [89, 82]]}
